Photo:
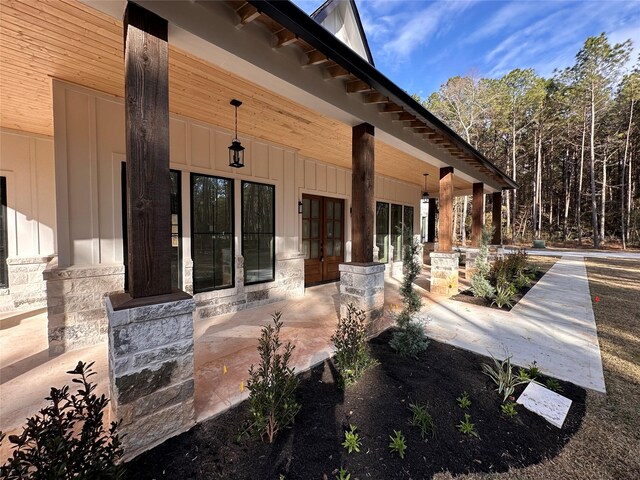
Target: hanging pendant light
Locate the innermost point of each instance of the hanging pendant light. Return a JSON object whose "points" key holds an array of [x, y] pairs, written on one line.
{"points": [[236, 150], [425, 194]]}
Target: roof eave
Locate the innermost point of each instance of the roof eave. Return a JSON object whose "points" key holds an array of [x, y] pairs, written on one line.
{"points": [[298, 22]]}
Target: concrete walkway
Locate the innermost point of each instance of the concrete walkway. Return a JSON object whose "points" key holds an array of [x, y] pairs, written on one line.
{"points": [[553, 325]]}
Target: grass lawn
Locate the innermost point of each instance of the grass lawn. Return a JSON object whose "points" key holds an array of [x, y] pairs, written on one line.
{"points": [[608, 442]]}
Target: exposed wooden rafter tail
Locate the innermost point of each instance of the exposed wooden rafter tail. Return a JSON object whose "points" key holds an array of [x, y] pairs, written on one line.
{"points": [[247, 13]]}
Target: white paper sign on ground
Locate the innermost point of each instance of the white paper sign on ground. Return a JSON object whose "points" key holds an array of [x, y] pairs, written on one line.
{"points": [[549, 405]]}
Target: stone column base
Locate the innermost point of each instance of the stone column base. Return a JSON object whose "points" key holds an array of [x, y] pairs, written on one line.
{"points": [[444, 273], [27, 289], [362, 284], [151, 370]]}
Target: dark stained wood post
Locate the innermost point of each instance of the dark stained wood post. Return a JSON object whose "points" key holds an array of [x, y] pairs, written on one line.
{"points": [[477, 209], [147, 139], [362, 188], [431, 221], [445, 210], [497, 218]]}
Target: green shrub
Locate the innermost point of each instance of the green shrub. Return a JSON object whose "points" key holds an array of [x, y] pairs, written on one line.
{"points": [[504, 296], [480, 286], [553, 384], [409, 338], [412, 266], [272, 386], [464, 401], [509, 409], [398, 443], [512, 269], [465, 426], [352, 440], [67, 439], [350, 339], [534, 371], [502, 375], [343, 474], [422, 419]]}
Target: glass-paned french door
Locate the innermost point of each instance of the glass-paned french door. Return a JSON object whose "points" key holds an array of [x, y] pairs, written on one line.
{"points": [[322, 238]]}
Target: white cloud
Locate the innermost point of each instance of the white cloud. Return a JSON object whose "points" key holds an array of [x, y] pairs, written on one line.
{"points": [[552, 41], [413, 27]]}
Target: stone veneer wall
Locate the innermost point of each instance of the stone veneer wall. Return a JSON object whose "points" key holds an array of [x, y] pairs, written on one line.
{"points": [[151, 372], [288, 283], [444, 273], [75, 303], [362, 284], [27, 288]]}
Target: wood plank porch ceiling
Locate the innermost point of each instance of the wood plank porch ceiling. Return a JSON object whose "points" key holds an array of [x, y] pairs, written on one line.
{"points": [[248, 13], [68, 40]]}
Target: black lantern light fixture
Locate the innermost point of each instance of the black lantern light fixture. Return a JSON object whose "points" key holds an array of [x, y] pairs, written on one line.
{"points": [[425, 194], [236, 150]]}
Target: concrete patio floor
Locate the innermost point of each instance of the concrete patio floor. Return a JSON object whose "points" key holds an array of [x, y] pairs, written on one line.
{"points": [[225, 347]]}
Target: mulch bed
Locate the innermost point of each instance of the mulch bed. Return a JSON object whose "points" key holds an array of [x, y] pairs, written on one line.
{"points": [[466, 296], [377, 405]]}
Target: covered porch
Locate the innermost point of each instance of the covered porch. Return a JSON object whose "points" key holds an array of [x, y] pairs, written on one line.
{"points": [[224, 348]]}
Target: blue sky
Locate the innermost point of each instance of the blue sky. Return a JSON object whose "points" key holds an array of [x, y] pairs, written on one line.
{"points": [[419, 44]]}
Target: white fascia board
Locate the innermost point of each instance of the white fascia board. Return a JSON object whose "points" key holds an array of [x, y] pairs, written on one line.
{"points": [[209, 30]]}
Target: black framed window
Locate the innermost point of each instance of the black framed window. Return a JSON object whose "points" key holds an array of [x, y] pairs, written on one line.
{"points": [[382, 231], [176, 228], [258, 232], [212, 232], [396, 231], [4, 235], [391, 222], [407, 225]]}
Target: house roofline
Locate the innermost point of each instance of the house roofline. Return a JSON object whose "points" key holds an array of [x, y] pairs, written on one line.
{"points": [[298, 22], [320, 13]]}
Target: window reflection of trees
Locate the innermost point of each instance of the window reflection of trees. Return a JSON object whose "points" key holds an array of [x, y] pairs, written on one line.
{"points": [[391, 221], [258, 231], [212, 204]]}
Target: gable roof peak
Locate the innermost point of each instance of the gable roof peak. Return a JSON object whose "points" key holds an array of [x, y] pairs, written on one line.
{"points": [[342, 19]]}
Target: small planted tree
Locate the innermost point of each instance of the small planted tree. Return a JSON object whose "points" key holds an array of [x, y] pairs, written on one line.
{"points": [[409, 338], [350, 340], [67, 439], [480, 285], [272, 385]]}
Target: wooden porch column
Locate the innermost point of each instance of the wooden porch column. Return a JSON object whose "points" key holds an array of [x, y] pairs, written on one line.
{"points": [[497, 218], [431, 221], [477, 209], [147, 143], [445, 210], [363, 200]]}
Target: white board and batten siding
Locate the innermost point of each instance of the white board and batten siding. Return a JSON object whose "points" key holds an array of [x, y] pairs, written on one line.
{"points": [[26, 161], [90, 146]]}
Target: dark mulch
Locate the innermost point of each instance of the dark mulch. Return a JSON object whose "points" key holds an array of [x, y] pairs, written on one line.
{"points": [[377, 405], [466, 296]]}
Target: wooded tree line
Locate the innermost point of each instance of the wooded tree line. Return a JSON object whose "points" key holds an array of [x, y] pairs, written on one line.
{"points": [[571, 142]]}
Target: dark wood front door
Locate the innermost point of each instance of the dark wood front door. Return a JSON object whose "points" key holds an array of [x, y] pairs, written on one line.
{"points": [[322, 238]]}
